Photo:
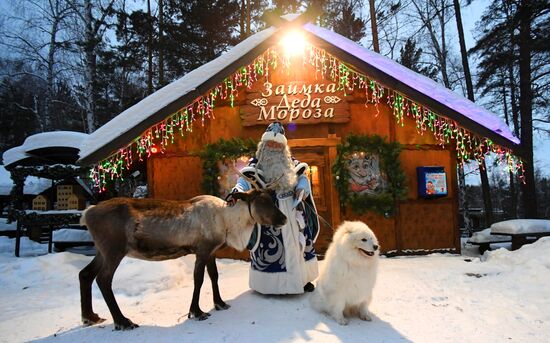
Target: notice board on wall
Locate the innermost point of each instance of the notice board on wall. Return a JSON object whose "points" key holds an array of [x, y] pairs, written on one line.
{"points": [[432, 182]]}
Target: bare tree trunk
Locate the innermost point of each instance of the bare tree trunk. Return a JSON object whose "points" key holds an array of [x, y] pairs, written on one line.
{"points": [[443, 51], [90, 67], [161, 43], [242, 25], [35, 110], [485, 187], [248, 18], [50, 77], [374, 27], [526, 107], [511, 76], [512, 179], [486, 192], [462, 202], [463, 51], [244, 20], [149, 50]]}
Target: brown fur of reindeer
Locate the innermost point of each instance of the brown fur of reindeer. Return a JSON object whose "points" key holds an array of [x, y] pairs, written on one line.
{"points": [[158, 230]]}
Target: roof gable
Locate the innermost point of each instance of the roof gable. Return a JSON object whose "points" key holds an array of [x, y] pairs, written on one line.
{"points": [[413, 84], [131, 123]]}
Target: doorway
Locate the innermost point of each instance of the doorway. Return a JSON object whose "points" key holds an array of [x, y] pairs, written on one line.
{"points": [[319, 155]]}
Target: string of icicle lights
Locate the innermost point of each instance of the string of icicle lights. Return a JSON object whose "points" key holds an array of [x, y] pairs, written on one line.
{"points": [[468, 145]]}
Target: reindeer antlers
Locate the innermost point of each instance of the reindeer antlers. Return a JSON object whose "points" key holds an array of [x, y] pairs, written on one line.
{"points": [[254, 183], [250, 180]]}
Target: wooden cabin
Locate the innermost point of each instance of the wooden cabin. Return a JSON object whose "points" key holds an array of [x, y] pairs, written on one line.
{"points": [[330, 89]]}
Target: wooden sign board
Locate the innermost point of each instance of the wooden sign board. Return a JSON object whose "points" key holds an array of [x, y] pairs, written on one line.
{"points": [[296, 102]]}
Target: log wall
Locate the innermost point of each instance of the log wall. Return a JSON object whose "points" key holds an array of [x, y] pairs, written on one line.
{"points": [[418, 223]]}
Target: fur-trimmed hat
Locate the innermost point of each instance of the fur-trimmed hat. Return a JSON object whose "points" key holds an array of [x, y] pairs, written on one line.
{"points": [[275, 132]]}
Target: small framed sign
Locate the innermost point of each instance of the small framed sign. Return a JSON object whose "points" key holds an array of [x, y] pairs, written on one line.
{"points": [[432, 182]]}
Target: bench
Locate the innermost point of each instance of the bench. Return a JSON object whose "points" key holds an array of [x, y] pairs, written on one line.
{"points": [[64, 245], [522, 231], [71, 236], [39, 225], [483, 239]]}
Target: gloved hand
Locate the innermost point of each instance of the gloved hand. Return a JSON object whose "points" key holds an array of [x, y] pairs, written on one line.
{"points": [[299, 195]]}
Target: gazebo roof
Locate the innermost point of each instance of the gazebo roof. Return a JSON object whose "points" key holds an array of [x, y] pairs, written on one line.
{"points": [[46, 148]]}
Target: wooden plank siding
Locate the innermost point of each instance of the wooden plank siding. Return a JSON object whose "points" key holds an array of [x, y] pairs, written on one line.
{"points": [[418, 223]]}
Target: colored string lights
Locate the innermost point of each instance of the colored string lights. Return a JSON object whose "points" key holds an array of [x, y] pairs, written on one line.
{"points": [[468, 145]]}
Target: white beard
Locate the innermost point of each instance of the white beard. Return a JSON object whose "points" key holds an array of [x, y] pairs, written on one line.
{"points": [[274, 163]]}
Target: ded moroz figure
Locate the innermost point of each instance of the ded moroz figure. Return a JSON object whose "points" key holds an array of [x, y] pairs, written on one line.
{"points": [[283, 259]]}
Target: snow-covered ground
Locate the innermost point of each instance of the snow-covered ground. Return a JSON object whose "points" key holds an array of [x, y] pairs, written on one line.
{"points": [[503, 296]]}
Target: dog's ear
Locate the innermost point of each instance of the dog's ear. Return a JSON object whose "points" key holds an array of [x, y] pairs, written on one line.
{"points": [[348, 227]]}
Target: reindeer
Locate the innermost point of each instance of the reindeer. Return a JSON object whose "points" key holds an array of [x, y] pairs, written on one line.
{"points": [[158, 230]]}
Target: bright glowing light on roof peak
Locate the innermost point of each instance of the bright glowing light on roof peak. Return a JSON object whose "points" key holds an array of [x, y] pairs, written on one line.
{"points": [[293, 43]]}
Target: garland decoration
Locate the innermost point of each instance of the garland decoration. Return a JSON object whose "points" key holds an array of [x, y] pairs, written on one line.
{"points": [[469, 146], [386, 155], [222, 150]]}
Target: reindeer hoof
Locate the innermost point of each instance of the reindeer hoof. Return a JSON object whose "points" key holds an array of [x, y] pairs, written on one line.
{"points": [[221, 306], [92, 320], [199, 315], [125, 324]]}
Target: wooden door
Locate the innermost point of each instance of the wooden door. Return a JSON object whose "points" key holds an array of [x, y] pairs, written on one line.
{"points": [[319, 174]]}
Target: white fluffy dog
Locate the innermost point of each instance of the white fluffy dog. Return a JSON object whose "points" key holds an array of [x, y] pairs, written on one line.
{"points": [[344, 287]]}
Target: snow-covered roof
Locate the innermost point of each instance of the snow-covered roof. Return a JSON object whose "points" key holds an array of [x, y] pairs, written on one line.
{"points": [[128, 119], [13, 155], [417, 81], [128, 125], [33, 185], [66, 139], [32, 147]]}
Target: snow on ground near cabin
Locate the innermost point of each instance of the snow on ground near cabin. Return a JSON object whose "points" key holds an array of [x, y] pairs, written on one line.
{"points": [[503, 296], [515, 226], [4, 226]]}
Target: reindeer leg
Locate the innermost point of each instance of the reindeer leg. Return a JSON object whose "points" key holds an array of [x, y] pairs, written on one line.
{"points": [[104, 281], [198, 276], [86, 277], [213, 273]]}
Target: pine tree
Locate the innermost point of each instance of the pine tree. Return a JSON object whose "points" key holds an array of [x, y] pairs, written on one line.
{"points": [[18, 104], [197, 32], [410, 57], [344, 17]]}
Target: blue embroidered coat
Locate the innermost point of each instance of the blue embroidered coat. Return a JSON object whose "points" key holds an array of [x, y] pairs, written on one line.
{"points": [[283, 259]]}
